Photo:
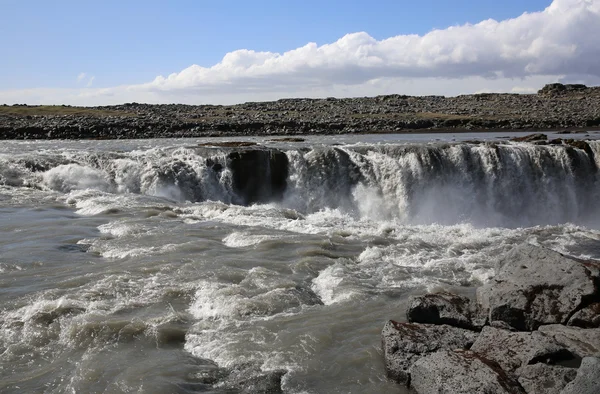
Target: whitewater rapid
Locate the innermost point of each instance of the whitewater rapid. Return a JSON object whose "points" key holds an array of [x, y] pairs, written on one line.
{"points": [[167, 266]]}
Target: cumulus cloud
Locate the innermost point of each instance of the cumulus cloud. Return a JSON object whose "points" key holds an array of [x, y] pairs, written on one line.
{"points": [[556, 44]]}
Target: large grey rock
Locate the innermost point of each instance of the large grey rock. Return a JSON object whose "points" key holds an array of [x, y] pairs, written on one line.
{"points": [[582, 342], [534, 286], [587, 380], [545, 379], [588, 317], [513, 350], [405, 343], [456, 372], [445, 308]]}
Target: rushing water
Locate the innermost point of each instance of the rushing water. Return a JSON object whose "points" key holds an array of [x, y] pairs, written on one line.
{"points": [[161, 266]]}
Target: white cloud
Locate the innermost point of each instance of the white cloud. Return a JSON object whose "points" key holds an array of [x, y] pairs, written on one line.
{"points": [[81, 77], [90, 82], [520, 55]]}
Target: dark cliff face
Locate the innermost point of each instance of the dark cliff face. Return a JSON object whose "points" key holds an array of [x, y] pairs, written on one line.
{"points": [[556, 106], [258, 175]]}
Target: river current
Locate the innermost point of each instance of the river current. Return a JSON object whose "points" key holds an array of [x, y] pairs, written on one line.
{"points": [[173, 266]]}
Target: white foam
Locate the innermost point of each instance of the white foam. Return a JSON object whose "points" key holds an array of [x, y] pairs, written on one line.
{"points": [[121, 252], [245, 239], [68, 177], [328, 285]]}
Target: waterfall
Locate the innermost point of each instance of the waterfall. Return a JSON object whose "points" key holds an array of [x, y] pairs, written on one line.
{"points": [[487, 184]]}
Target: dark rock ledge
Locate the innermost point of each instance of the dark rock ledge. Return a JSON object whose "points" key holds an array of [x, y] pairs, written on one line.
{"points": [[534, 328]]}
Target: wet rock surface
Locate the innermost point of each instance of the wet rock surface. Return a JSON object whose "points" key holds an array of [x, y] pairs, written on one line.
{"points": [[456, 372], [535, 286], [555, 107], [545, 379], [512, 350], [405, 343], [587, 380], [445, 308], [540, 336]]}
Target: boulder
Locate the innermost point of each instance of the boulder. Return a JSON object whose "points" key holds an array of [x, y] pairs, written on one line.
{"points": [[588, 317], [405, 343], [512, 350], [444, 308], [460, 371], [587, 380], [581, 342], [545, 379], [534, 286]]}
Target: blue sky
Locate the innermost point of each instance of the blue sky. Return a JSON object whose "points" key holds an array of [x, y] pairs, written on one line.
{"points": [[48, 44]]}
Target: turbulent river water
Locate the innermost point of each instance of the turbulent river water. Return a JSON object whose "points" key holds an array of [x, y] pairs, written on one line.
{"points": [[168, 266]]}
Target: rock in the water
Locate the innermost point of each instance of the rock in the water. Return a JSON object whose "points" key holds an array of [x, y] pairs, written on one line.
{"points": [[405, 343], [531, 138], [455, 372], [581, 342], [587, 380], [444, 308], [253, 381], [545, 379], [588, 317], [536, 286], [513, 350]]}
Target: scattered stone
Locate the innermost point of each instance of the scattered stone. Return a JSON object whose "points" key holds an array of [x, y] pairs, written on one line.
{"points": [[556, 107], [536, 286], [545, 379], [444, 308], [587, 380], [455, 372], [405, 343]]}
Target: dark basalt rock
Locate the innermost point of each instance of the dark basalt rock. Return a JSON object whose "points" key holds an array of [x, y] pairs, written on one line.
{"points": [[535, 286], [445, 308], [531, 138], [405, 343], [248, 379], [559, 88], [461, 371], [259, 175]]}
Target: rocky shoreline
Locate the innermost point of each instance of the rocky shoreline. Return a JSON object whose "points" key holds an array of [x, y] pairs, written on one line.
{"points": [[555, 107], [534, 328]]}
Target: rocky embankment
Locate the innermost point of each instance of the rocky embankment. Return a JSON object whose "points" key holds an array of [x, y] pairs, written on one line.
{"points": [[535, 328], [554, 107]]}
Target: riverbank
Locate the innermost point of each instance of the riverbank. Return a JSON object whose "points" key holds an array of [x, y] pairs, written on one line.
{"points": [[555, 107]]}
